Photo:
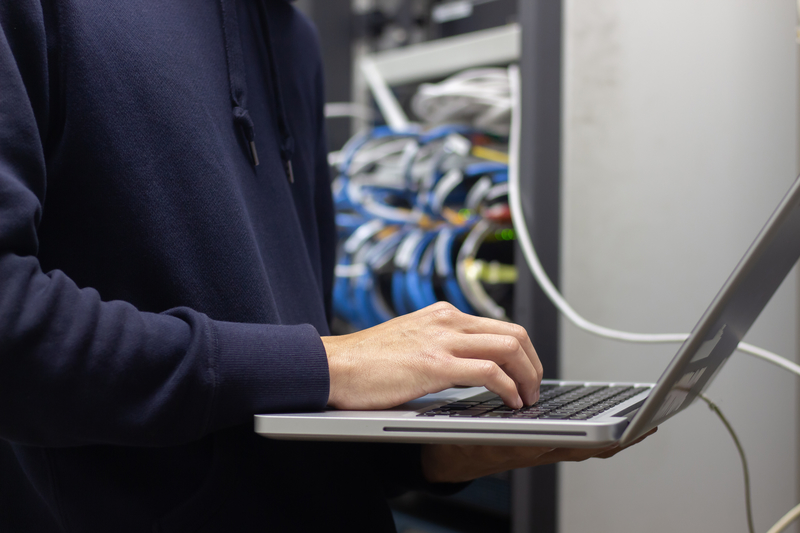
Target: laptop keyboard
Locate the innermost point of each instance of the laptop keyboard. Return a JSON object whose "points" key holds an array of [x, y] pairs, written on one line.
{"points": [[556, 402]]}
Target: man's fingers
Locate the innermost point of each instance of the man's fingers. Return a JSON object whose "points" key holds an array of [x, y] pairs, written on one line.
{"points": [[449, 315], [506, 352], [446, 316], [616, 449], [513, 330], [484, 373]]}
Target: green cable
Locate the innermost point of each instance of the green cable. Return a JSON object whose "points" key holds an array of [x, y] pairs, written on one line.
{"points": [[713, 407]]}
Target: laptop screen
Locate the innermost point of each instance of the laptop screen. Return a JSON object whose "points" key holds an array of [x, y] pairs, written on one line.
{"points": [[745, 294]]}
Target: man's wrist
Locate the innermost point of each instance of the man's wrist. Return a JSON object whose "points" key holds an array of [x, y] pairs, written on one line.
{"points": [[334, 370]]}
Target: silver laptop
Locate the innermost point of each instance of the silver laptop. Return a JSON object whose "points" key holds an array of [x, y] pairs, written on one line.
{"points": [[580, 414]]}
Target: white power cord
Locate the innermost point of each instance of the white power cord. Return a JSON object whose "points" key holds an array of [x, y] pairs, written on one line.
{"points": [[787, 519], [798, 22], [524, 239]]}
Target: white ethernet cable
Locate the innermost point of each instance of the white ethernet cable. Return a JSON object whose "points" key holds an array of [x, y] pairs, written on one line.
{"points": [[524, 239], [476, 96]]}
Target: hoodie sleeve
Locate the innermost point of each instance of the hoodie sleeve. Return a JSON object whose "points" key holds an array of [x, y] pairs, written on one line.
{"points": [[75, 369]]}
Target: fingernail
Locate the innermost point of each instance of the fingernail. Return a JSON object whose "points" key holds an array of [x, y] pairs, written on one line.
{"points": [[531, 399]]}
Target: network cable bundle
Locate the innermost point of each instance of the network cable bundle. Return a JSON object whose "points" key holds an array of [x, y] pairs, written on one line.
{"points": [[478, 97], [422, 213]]}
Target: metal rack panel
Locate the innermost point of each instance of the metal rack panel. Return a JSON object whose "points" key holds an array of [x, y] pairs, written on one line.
{"points": [[433, 60]]}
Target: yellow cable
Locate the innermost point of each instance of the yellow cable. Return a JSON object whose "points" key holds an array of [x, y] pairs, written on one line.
{"points": [[491, 272], [490, 154]]}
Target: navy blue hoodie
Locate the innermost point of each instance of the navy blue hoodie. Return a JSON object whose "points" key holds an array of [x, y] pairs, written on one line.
{"points": [[166, 257]]}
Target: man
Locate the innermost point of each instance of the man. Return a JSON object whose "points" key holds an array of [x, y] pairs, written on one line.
{"points": [[166, 256]]}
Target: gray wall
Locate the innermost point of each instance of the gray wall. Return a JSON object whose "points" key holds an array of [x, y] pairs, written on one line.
{"points": [[680, 136]]}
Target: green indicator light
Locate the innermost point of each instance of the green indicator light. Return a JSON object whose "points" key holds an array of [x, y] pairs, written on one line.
{"points": [[506, 234]]}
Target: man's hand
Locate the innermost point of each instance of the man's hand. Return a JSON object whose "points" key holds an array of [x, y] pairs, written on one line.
{"points": [[428, 351], [453, 463]]}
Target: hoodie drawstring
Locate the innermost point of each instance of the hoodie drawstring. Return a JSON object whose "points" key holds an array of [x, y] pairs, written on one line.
{"points": [[242, 119], [287, 141], [236, 80]]}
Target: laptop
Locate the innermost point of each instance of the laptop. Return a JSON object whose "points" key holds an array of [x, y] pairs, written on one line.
{"points": [[574, 413]]}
